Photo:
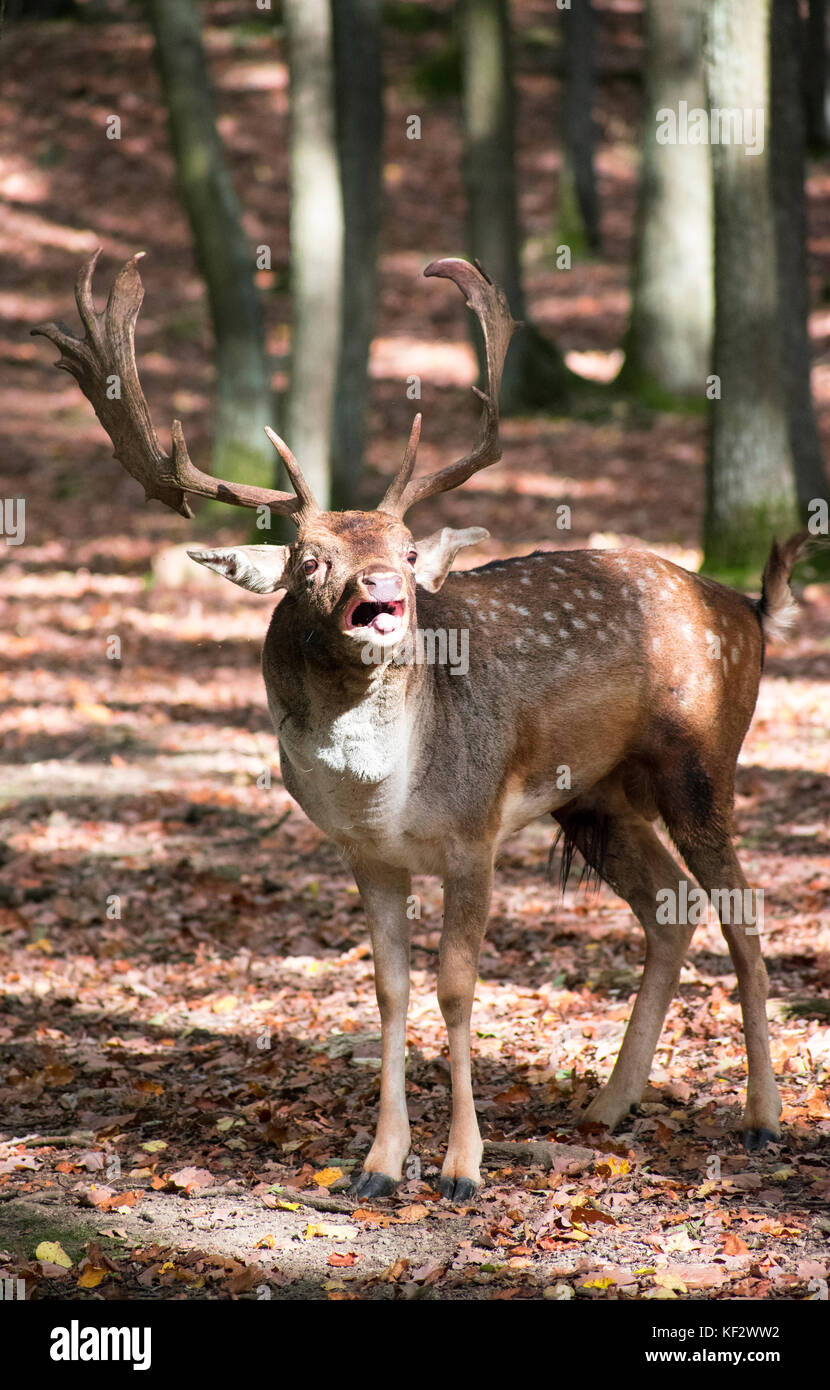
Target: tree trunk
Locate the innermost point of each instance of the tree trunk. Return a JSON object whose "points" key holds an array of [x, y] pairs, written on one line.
{"points": [[815, 75], [787, 155], [579, 221], [534, 374], [223, 255], [751, 491], [316, 241], [670, 335], [359, 103]]}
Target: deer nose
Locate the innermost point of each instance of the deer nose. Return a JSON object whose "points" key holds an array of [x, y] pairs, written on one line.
{"points": [[383, 586]]}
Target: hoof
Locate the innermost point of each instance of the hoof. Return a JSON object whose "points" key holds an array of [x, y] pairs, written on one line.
{"points": [[757, 1139], [368, 1185], [457, 1189]]}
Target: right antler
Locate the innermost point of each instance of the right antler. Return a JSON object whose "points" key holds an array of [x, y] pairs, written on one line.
{"points": [[105, 358], [489, 303]]}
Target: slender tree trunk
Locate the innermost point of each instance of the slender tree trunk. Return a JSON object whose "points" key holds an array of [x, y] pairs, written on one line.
{"points": [[579, 220], [316, 228], [751, 491], [535, 374], [670, 335], [787, 135], [359, 102], [816, 96], [224, 257]]}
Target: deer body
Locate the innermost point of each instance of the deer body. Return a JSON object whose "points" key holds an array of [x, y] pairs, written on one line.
{"points": [[604, 688]]}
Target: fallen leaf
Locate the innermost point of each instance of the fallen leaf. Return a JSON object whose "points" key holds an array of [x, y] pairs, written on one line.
{"points": [[54, 1253], [327, 1176]]}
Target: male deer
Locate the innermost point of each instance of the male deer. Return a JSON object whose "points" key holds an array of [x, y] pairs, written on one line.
{"points": [[639, 677]]}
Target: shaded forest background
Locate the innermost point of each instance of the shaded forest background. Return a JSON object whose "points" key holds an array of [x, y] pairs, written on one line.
{"points": [[136, 1037]]}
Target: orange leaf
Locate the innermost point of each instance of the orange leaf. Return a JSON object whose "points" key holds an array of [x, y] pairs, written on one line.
{"points": [[733, 1245]]}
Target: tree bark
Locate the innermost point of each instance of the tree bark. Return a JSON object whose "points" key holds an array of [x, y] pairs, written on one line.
{"points": [[534, 374], [787, 137], [816, 96], [359, 105], [751, 491], [316, 229], [670, 335], [579, 217], [244, 399]]}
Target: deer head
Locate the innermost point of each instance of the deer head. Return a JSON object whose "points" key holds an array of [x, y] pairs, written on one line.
{"points": [[353, 574]]}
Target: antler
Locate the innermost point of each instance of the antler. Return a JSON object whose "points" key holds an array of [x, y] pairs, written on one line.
{"points": [[489, 303], [103, 364]]}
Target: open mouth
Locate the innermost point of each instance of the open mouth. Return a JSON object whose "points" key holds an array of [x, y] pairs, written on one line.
{"points": [[378, 617]]}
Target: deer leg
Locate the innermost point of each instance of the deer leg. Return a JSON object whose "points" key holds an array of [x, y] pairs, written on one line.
{"points": [[384, 892], [717, 868], [466, 905], [637, 866]]}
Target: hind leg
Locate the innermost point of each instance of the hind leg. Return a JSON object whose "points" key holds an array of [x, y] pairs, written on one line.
{"points": [[637, 866], [717, 869]]}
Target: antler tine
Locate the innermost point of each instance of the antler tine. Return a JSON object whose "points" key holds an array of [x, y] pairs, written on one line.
{"points": [[308, 505], [489, 303], [395, 491], [103, 364]]}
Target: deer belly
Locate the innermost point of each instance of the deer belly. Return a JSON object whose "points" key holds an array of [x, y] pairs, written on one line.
{"points": [[522, 803]]}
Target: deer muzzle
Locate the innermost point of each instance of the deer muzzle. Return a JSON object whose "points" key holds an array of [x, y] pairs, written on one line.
{"points": [[379, 605]]}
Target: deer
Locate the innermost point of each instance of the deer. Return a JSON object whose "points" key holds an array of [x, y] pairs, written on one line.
{"points": [[635, 675]]}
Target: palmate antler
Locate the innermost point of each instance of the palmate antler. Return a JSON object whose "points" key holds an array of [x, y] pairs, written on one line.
{"points": [[489, 303], [103, 364]]}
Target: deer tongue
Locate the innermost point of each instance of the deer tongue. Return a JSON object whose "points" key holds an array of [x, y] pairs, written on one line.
{"points": [[384, 622]]}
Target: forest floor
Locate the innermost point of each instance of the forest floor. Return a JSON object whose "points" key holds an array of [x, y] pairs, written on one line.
{"points": [[189, 1033]]}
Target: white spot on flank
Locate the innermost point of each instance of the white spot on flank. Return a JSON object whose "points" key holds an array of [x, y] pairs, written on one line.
{"points": [[564, 634], [735, 655], [525, 612], [577, 622], [559, 570], [592, 617], [544, 639], [578, 593], [548, 617], [594, 593], [569, 607], [525, 580]]}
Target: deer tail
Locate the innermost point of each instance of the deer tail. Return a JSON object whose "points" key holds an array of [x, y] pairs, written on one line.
{"points": [[777, 609]]}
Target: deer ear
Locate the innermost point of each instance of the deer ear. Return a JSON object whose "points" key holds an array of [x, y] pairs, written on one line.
{"points": [[259, 568], [437, 552]]}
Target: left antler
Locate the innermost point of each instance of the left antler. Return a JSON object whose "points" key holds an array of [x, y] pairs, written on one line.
{"points": [[103, 364], [489, 303]]}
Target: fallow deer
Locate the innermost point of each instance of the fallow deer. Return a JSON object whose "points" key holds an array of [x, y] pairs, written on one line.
{"points": [[638, 677]]}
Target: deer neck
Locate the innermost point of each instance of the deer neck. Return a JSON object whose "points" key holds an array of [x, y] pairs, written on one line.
{"points": [[362, 723]]}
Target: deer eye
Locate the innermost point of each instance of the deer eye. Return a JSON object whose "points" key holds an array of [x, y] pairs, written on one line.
{"points": [[412, 556], [309, 565]]}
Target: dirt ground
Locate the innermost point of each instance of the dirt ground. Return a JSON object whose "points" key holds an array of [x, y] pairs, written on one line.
{"points": [[188, 1030]]}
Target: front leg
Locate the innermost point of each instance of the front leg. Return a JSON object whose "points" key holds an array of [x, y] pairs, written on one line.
{"points": [[466, 905], [384, 892]]}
